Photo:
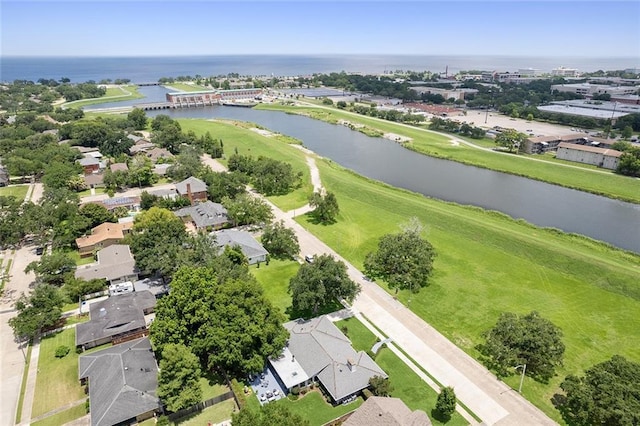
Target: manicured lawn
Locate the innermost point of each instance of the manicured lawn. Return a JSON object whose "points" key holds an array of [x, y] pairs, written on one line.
{"points": [[611, 185], [407, 386], [62, 417], [18, 191], [75, 255], [57, 380], [314, 408], [212, 386], [275, 281], [238, 137], [211, 415], [87, 192], [187, 87]]}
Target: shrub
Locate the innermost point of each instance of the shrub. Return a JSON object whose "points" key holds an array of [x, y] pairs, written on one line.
{"points": [[295, 390], [163, 421], [62, 351], [87, 406]]}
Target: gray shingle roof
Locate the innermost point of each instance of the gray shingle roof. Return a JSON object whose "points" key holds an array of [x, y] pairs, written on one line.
{"points": [[323, 351], [249, 246], [122, 382], [113, 262], [114, 316], [205, 214], [196, 185], [379, 411]]}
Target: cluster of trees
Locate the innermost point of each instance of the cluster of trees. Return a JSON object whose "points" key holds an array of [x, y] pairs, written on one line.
{"points": [[267, 175], [511, 139], [73, 92], [139, 173], [373, 84], [453, 126], [388, 114], [629, 163], [281, 242], [529, 340], [325, 207]]}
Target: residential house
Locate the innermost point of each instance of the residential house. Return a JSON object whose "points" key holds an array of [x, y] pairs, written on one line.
{"points": [[318, 351], [251, 248], [94, 180], [119, 167], [140, 145], [116, 318], [123, 383], [192, 188], [115, 264], [89, 164], [601, 157], [156, 286], [161, 169], [157, 154], [381, 411], [131, 203], [204, 216], [102, 236]]}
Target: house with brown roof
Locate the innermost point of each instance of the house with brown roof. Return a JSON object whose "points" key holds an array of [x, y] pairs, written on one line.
{"points": [[119, 167], [102, 236], [156, 154], [380, 411]]}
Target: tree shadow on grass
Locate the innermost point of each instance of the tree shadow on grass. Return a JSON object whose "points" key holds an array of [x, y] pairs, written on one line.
{"points": [[443, 418], [293, 313]]}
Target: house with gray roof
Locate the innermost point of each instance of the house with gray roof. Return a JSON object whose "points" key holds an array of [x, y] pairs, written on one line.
{"points": [[318, 351], [250, 247], [115, 264], [192, 188], [381, 411], [114, 318], [204, 216], [123, 383]]}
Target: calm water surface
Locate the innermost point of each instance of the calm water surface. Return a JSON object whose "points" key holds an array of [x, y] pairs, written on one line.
{"points": [[542, 204]]}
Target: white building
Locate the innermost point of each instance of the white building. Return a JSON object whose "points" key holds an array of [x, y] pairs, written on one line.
{"points": [[589, 90], [601, 157], [565, 72]]}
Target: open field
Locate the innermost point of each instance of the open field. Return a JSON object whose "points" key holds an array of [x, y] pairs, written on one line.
{"points": [[114, 94], [18, 191], [237, 138], [575, 176], [487, 264], [187, 87], [57, 380]]}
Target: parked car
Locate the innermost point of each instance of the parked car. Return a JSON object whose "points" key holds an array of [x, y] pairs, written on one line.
{"points": [[308, 258]]}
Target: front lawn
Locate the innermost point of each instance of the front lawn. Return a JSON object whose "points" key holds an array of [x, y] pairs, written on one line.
{"points": [[57, 381], [314, 408], [18, 191], [274, 278], [63, 417]]}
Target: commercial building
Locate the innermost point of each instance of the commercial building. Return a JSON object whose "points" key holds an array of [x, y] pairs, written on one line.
{"points": [[542, 144], [601, 157], [565, 72], [588, 89]]}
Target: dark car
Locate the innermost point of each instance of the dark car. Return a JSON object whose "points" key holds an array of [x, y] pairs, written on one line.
{"points": [[39, 251]]}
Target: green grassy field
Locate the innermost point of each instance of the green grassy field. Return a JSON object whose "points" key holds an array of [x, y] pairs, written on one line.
{"points": [[187, 87], [62, 417], [486, 264], [314, 408], [577, 177], [18, 191], [237, 138], [57, 380], [114, 94], [275, 281], [211, 415]]}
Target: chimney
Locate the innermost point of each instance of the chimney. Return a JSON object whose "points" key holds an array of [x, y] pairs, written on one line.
{"points": [[189, 194], [351, 364]]}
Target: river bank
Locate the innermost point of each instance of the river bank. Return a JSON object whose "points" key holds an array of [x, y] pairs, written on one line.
{"points": [[438, 145]]}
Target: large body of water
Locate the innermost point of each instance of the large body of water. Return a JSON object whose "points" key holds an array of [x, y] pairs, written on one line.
{"points": [[539, 203], [148, 69]]}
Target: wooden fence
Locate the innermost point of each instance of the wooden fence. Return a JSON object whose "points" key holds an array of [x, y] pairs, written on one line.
{"points": [[174, 417]]}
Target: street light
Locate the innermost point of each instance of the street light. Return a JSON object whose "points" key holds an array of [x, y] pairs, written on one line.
{"points": [[524, 369]]}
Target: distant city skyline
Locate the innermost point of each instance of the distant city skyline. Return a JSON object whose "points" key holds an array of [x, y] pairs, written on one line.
{"points": [[169, 28]]}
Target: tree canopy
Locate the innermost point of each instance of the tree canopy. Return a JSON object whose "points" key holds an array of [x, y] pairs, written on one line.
{"points": [[281, 242], [608, 394], [246, 209], [403, 260], [268, 415], [326, 207], [52, 269], [41, 309], [529, 339], [510, 139], [320, 283], [179, 378], [226, 324], [446, 403]]}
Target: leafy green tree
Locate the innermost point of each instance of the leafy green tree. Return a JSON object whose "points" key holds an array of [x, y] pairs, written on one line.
{"points": [[170, 137], [247, 210], [40, 310], [227, 324], [529, 339], [96, 214], [403, 260], [608, 394], [74, 288], [627, 132], [52, 269], [446, 403], [320, 283], [58, 175], [221, 184], [137, 119], [268, 415], [621, 146], [629, 163], [187, 163], [326, 207], [156, 241], [380, 386], [511, 139], [281, 242], [179, 377]]}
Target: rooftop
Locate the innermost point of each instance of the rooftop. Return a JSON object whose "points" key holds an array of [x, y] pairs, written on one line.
{"points": [[379, 411], [196, 185], [205, 214], [586, 148], [249, 245], [113, 262]]}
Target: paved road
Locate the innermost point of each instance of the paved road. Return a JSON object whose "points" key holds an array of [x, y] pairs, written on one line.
{"points": [[490, 399]]}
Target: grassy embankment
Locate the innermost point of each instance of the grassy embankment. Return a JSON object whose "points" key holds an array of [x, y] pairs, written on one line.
{"points": [[557, 172], [487, 264], [113, 94], [186, 87]]}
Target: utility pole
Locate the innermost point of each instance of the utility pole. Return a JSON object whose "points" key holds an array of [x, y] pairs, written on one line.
{"points": [[524, 369]]}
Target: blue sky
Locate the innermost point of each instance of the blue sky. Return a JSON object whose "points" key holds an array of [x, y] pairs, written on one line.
{"points": [[151, 28]]}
